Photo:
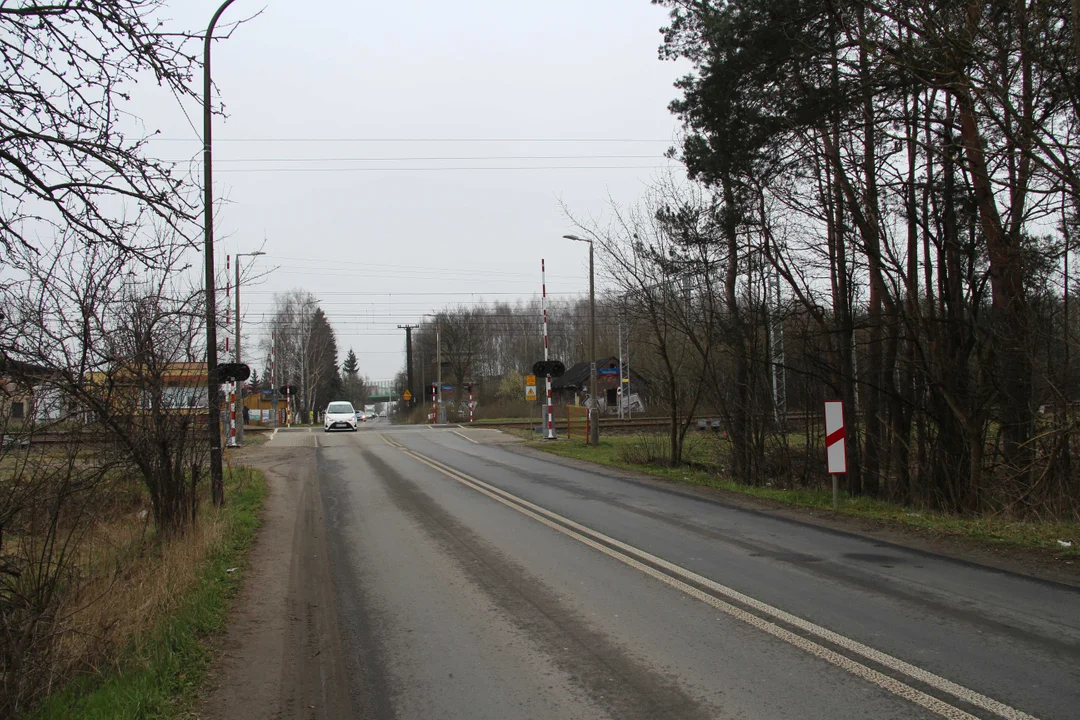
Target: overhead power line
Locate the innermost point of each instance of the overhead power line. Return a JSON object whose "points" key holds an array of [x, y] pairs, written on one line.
{"points": [[411, 268], [411, 294], [434, 168], [412, 140], [430, 158]]}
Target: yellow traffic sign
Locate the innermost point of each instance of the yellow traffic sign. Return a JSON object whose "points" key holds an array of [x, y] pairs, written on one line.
{"points": [[530, 392], [530, 380], [407, 395]]}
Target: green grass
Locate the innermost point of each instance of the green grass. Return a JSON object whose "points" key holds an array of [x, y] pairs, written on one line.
{"points": [[986, 530], [162, 675]]}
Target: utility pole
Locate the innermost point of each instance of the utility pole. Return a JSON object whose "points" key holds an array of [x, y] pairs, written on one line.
{"points": [[408, 359], [594, 387], [620, 393], [213, 403], [438, 375]]}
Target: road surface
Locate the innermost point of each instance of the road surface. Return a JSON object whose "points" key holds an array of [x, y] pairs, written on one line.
{"points": [[437, 573]]}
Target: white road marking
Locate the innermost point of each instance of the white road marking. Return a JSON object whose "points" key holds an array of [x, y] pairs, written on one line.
{"points": [[460, 435], [931, 703]]}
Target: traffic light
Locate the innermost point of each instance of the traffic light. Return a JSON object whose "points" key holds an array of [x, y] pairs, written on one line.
{"points": [[468, 386]]}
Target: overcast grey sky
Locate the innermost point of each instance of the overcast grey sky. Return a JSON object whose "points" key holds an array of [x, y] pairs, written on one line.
{"points": [[337, 111]]}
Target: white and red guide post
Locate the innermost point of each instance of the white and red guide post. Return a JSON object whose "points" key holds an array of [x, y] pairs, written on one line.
{"points": [[550, 435], [835, 445]]}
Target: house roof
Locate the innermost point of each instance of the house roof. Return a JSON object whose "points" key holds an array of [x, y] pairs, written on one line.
{"points": [[578, 375]]}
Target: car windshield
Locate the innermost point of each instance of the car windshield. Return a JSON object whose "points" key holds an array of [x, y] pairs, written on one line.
{"points": [[340, 408]]}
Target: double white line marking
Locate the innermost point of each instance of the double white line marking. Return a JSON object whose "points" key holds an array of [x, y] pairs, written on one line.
{"points": [[632, 556]]}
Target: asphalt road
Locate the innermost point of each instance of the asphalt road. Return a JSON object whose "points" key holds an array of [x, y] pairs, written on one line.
{"points": [[463, 579]]}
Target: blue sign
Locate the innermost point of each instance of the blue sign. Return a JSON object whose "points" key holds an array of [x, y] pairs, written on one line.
{"points": [[447, 387], [607, 371]]}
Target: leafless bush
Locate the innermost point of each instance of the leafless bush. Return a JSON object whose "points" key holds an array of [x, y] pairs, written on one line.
{"points": [[51, 497]]}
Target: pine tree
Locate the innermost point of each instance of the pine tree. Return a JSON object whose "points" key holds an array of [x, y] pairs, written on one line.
{"points": [[351, 367]]}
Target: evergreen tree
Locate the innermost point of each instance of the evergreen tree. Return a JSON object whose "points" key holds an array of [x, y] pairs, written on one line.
{"points": [[350, 366]]}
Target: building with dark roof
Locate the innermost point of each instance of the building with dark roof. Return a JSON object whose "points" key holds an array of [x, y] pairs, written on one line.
{"points": [[572, 386]]}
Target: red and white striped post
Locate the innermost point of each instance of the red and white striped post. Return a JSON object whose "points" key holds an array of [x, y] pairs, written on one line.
{"points": [[835, 445], [231, 442], [434, 404], [273, 375], [543, 304], [288, 406], [470, 403]]}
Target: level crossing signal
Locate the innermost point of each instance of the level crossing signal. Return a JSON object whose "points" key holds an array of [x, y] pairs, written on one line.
{"points": [[554, 368], [233, 372]]}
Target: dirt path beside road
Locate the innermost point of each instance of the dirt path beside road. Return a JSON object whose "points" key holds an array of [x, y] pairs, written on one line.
{"points": [[281, 658]]}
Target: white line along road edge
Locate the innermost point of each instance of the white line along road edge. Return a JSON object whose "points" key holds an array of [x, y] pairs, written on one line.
{"points": [[940, 707]]}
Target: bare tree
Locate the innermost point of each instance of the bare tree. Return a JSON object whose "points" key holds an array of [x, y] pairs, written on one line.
{"points": [[121, 346], [644, 264], [67, 161], [306, 348]]}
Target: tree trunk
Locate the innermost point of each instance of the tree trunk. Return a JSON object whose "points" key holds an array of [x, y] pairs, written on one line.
{"points": [[1009, 303]]}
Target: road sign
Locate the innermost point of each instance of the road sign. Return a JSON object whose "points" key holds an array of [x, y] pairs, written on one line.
{"points": [[607, 371], [530, 392], [530, 380], [835, 437], [407, 395], [619, 391]]}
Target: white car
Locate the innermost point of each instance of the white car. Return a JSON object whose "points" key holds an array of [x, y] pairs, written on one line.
{"points": [[339, 415]]}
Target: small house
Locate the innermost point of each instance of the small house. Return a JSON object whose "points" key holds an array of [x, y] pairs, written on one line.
{"points": [[572, 387]]}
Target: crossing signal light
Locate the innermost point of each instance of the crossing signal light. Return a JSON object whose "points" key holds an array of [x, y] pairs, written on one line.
{"points": [[554, 368]]}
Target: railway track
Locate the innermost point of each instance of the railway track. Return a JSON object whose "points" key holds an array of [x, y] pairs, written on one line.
{"points": [[794, 418]]}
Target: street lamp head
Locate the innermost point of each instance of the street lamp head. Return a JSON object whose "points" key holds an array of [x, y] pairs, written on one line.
{"points": [[578, 239]]}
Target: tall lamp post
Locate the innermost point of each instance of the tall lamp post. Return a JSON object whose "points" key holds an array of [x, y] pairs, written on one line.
{"points": [[240, 425], [594, 412], [217, 479]]}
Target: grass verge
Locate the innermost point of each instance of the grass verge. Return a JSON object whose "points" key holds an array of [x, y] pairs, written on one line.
{"points": [[159, 675], [1043, 537]]}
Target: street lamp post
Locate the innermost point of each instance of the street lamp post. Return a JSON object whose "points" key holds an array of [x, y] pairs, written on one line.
{"points": [[240, 425], [217, 480], [594, 412]]}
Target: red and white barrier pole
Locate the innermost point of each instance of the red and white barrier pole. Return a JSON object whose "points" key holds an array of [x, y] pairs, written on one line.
{"points": [[231, 442], [543, 304], [434, 404], [232, 415], [470, 404], [273, 375]]}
